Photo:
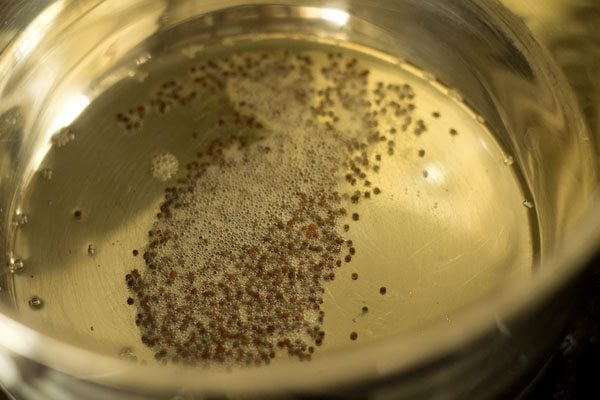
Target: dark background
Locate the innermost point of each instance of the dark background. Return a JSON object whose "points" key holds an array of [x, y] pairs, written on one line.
{"points": [[574, 370]]}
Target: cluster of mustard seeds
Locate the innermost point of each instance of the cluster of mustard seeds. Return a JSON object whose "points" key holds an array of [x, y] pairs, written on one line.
{"points": [[249, 235]]}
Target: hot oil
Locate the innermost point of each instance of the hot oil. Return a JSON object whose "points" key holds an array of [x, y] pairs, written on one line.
{"points": [[267, 198]]}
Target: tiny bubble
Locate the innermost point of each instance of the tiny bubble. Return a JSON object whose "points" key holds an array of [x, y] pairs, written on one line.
{"points": [[455, 94], [36, 303], [429, 76], [16, 265], [20, 219], [127, 355], [47, 173], [63, 137], [508, 161], [143, 59], [528, 204]]}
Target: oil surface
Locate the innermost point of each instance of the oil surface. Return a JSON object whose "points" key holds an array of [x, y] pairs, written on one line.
{"points": [[434, 216]]}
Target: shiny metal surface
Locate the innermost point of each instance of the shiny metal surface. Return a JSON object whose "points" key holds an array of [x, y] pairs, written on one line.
{"points": [[511, 83], [428, 276], [570, 31]]}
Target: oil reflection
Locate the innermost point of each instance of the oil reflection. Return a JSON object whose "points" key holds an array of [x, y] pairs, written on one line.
{"points": [[35, 32], [338, 17], [72, 107]]}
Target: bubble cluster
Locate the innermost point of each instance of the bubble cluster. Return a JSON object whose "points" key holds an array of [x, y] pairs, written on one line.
{"points": [[16, 266], [528, 204], [246, 239], [20, 219], [127, 354], [508, 161], [63, 137], [47, 173], [164, 166]]}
